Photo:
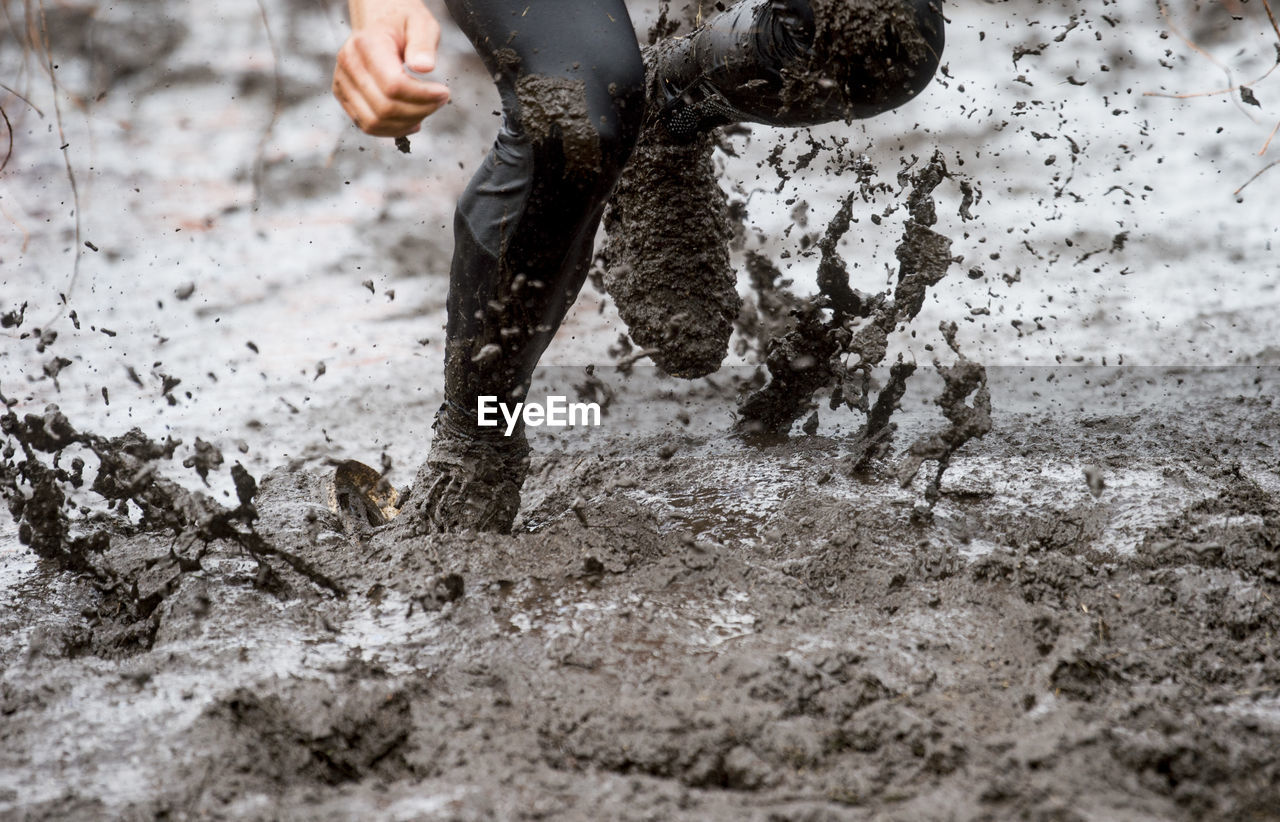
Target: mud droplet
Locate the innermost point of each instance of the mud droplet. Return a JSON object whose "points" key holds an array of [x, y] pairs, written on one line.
{"points": [[487, 356], [1093, 478]]}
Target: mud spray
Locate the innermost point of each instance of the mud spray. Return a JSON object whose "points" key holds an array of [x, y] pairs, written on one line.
{"points": [[666, 258]]}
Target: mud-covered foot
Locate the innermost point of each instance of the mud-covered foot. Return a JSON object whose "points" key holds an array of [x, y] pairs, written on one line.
{"points": [[471, 479], [667, 255]]}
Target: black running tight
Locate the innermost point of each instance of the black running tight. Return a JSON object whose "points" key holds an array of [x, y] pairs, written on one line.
{"points": [[572, 88]]}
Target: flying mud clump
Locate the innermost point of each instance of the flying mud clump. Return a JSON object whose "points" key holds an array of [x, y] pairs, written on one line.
{"points": [[666, 258], [839, 336]]}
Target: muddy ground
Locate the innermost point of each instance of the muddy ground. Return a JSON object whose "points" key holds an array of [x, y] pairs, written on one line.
{"points": [[731, 631], [688, 623]]}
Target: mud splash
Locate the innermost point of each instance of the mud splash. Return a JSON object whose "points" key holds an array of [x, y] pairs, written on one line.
{"points": [[76, 531], [840, 336], [968, 422], [666, 256]]}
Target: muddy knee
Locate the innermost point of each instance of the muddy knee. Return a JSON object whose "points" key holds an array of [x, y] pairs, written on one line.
{"points": [[585, 123]]}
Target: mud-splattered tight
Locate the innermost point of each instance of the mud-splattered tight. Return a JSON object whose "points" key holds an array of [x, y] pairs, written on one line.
{"points": [[573, 93], [572, 87]]}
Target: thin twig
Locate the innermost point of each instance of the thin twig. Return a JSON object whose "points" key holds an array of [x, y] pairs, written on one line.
{"points": [[15, 93], [1191, 44], [24, 42], [66, 159], [275, 109], [8, 127], [1168, 18], [1271, 16], [1267, 144], [1232, 90], [1271, 164]]}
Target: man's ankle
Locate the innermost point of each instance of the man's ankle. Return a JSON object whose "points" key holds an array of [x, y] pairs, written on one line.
{"points": [[458, 422]]}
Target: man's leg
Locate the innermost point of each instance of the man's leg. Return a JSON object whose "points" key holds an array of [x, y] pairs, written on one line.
{"points": [[572, 87]]}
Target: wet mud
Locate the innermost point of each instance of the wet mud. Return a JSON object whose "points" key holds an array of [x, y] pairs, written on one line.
{"points": [[818, 653], [872, 55], [666, 257], [836, 342], [556, 107]]}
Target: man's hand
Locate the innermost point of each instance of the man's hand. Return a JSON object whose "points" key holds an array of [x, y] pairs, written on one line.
{"points": [[370, 79]]}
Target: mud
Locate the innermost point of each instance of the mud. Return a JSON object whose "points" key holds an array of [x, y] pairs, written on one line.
{"points": [[839, 337], [967, 422], [556, 107], [128, 493], [828, 657], [666, 255], [875, 54]]}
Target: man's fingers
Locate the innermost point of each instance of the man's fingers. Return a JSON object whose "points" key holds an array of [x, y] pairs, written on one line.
{"points": [[353, 103], [389, 111], [390, 128], [371, 80], [381, 58], [422, 40], [378, 117], [423, 92]]}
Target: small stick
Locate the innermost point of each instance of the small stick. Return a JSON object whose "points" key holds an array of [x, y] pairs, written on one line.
{"points": [[1256, 176], [8, 127], [275, 109], [66, 159], [1267, 144], [1164, 12], [1271, 16], [1233, 89], [15, 93]]}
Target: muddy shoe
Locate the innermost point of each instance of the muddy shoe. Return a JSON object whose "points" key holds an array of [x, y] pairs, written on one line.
{"points": [[471, 480], [667, 255]]}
